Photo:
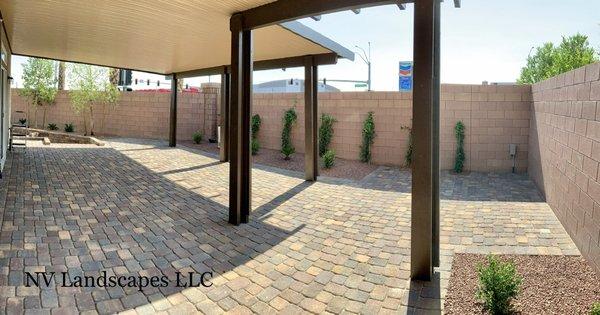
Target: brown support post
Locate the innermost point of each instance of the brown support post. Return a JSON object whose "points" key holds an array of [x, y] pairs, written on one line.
{"points": [[239, 132], [225, 99], [173, 113], [421, 264], [436, 136], [311, 150]]}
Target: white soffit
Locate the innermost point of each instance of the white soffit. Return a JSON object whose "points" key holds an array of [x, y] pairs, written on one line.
{"points": [[161, 36]]}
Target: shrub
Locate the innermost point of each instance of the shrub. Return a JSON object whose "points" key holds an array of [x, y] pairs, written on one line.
{"points": [[256, 121], [459, 131], [329, 158], [325, 133], [197, 137], [69, 128], [289, 119], [255, 146], [22, 121], [52, 127], [368, 136], [498, 284], [408, 156], [595, 308]]}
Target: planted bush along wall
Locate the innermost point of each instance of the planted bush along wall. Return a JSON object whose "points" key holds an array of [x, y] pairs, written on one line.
{"points": [[143, 114], [494, 117], [565, 153]]}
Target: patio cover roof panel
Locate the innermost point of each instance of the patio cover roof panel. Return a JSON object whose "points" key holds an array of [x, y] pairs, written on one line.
{"points": [[155, 36]]}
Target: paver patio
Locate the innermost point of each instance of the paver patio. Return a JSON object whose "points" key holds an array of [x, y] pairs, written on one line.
{"points": [[137, 207]]}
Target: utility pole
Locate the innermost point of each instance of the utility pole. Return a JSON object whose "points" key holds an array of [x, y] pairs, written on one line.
{"points": [[367, 59]]}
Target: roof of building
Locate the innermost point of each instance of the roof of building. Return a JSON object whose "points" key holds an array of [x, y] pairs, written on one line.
{"points": [[154, 36]]}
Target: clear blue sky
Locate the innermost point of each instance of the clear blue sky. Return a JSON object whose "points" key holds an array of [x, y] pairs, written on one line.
{"points": [[483, 40]]}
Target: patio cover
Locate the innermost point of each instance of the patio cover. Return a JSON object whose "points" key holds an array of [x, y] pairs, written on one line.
{"points": [[162, 37]]}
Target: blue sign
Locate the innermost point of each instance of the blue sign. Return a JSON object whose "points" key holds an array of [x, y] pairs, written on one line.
{"points": [[405, 81]]}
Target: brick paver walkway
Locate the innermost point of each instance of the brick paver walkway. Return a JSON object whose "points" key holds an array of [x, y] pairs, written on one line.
{"points": [[139, 208]]}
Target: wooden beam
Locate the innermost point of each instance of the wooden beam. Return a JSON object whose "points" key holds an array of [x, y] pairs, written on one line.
{"points": [[279, 63], [173, 113], [421, 264], [311, 149], [435, 193], [239, 131], [225, 105], [287, 10]]}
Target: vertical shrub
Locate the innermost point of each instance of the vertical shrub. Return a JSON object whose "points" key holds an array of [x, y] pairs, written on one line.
{"points": [[329, 159], [408, 156], [368, 136], [256, 121], [459, 131], [289, 119], [498, 285], [325, 133]]}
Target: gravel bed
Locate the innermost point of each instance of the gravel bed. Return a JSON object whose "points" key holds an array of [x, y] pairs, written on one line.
{"points": [[551, 285], [348, 169]]}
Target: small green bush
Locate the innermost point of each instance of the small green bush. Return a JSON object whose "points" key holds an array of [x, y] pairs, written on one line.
{"points": [[197, 137], [255, 146], [459, 162], [52, 127], [595, 308], [289, 119], [498, 285], [256, 121], [329, 159], [69, 128], [22, 121], [368, 135], [408, 156], [325, 133]]}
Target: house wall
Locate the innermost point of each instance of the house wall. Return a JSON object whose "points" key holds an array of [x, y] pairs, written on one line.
{"points": [[5, 104], [564, 153]]}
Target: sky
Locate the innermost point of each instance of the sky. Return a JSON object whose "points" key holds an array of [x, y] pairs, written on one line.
{"points": [[484, 40]]}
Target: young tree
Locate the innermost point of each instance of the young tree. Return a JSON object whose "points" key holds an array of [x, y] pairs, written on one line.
{"points": [[39, 85], [62, 69], [91, 90], [549, 60]]}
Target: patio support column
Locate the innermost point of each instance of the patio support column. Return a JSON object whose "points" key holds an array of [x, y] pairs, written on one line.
{"points": [[421, 264], [173, 113], [311, 151], [240, 112], [225, 99], [436, 136]]}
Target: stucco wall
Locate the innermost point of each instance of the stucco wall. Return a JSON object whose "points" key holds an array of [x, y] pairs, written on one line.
{"points": [[565, 153]]}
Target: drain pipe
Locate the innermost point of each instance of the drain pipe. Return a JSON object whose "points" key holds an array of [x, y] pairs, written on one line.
{"points": [[512, 150]]}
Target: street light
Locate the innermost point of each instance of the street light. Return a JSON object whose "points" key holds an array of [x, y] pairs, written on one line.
{"points": [[367, 59]]}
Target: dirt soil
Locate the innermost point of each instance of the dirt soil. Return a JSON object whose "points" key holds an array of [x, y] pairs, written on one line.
{"points": [[354, 170], [551, 285]]}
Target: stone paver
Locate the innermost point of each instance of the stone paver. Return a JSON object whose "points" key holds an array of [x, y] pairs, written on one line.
{"points": [[137, 208]]}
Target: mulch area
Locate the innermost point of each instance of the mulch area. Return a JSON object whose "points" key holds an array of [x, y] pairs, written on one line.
{"points": [[348, 169], [551, 285]]}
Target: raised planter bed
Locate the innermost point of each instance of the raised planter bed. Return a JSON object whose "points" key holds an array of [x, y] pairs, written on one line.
{"points": [[57, 136]]}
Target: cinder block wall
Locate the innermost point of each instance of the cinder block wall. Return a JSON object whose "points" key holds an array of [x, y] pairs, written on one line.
{"points": [[143, 114], [565, 151], [494, 117]]}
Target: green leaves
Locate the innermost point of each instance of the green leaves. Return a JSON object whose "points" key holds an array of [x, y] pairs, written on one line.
{"points": [[368, 137], [39, 81], [459, 161], [289, 119], [255, 126], [498, 284], [549, 61], [325, 133], [90, 86], [329, 159]]}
